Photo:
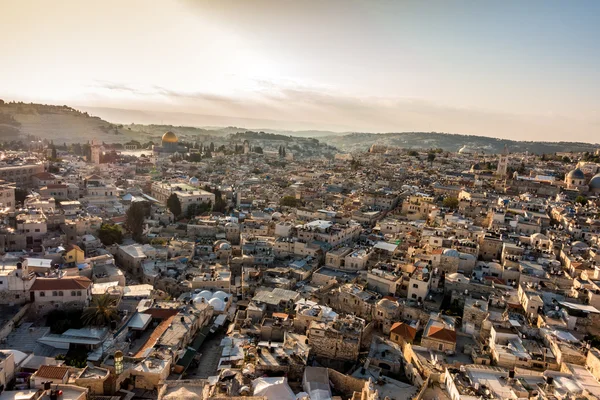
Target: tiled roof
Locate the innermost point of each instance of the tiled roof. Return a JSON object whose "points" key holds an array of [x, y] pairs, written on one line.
{"points": [[439, 333], [161, 313], [44, 176], [404, 330], [52, 372], [67, 283]]}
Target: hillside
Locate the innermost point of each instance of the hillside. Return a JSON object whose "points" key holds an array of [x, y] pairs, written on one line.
{"points": [[58, 123], [449, 142]]}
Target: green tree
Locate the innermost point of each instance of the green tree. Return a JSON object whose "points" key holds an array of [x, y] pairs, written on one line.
{"points": [[450, 202], [54, 155], [21, 195], [110, 234], [174, 205], [581, 200], [288, 201], [101, 311], [258, 150], [430, 157], [134, 221]]}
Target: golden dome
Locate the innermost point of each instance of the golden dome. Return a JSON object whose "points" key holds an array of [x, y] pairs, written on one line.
{"points": [[169, 137]]}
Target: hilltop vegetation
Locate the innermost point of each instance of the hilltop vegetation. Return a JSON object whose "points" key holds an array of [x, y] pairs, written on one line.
{"points": [[62, 124], [450, 142]]}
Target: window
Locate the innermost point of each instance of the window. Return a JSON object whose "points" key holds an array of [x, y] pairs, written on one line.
{"points": [[60, 293], [1, 282], [415, 285], [441, 347], [79, 293], [54, 293], [414, 296], [73, 293], [42, 294]]}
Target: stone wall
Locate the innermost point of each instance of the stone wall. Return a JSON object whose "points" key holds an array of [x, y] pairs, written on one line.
{"points": [[334, 346], [10, 325], [592, 362], [345, 383]]}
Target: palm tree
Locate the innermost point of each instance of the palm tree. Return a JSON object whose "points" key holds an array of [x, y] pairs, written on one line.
{"points": [[101, 312]]}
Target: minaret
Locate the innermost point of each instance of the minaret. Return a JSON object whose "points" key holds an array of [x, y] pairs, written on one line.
{"points": [[503, 163], [96, 150]]}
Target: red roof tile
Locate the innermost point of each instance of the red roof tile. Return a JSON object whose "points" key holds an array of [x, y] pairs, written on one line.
{"points": [[52, 372], [404, 330], [66, 283], [161, 313], [443, 334]]}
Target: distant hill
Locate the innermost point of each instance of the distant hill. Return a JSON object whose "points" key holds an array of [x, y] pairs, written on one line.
{"points": [[450, 142], [67, 124]]}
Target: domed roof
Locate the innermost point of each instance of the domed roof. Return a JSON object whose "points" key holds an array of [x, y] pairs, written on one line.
{"points": [[576, 174], [194, 180], [169, 137], [220, 295], [217, 304], [451, 253], [595, 181], [205, 294]]}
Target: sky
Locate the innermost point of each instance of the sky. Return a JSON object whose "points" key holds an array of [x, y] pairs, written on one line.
{"points": [[527, 70]]}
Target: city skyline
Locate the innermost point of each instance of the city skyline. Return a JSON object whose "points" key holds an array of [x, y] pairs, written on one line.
{"points": [[512, 69]]}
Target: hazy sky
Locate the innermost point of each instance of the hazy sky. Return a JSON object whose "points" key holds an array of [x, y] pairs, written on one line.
{"points": [[517, 69]]}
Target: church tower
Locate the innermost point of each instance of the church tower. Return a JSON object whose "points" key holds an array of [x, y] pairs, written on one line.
{"points": [[503, 163]]}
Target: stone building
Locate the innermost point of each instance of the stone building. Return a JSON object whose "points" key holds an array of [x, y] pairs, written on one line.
{"points": [[336, 340], [439, 334], [474, 313]]}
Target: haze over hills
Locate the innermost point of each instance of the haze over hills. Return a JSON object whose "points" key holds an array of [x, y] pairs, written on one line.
{"points": [[213, 122], [70, 125]]}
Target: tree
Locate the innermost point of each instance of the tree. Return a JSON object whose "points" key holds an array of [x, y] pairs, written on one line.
{"points": [[430, 157], [174, 205], [450, 202], [288, 201], [54, 155], [134, 221], [212, 147], [101, 312], [21, 195], [110, 234], [258, 150], [581, 200]]}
